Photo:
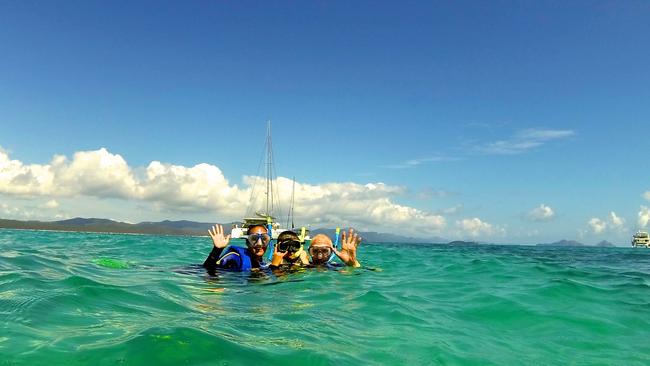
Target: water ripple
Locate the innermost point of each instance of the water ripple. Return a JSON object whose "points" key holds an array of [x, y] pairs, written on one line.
{"points": [[83, 298]]}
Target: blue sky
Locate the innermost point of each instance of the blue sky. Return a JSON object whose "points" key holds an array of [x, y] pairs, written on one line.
{"points": [[514, 122]]}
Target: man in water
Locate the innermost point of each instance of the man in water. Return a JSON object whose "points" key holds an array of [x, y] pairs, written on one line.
{"points": [[237, 258], [321, 250]]}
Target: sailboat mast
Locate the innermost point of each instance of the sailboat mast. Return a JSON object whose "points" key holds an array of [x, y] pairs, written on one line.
{"points": [[269, 160], [293, 192], [290, 215]]}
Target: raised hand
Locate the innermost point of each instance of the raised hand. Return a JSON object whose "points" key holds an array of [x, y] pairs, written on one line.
{"points": [[349, 244], [216, 233], [277, 256]]}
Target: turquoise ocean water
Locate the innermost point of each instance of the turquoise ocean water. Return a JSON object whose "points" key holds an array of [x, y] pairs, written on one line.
{"points": [[109, 299]]}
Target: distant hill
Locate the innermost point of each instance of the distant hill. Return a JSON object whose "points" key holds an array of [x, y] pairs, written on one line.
{"points": [[181, 227], [564, 243], [109, 226], [460, 242], [573, 243], [192, 228], [86, 222]]}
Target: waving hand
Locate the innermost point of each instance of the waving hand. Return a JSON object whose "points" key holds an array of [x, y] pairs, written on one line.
{"points": [[349, 244], [216, 233]]}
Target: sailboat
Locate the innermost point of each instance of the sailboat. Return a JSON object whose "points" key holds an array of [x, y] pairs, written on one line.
{"points": [[267, 215]]}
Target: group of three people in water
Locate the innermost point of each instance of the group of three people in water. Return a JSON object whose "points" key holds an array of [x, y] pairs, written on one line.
{"points": [[287, 252]]}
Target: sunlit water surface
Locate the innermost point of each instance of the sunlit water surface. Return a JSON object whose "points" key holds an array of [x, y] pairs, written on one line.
{"points": [[109, 299]]}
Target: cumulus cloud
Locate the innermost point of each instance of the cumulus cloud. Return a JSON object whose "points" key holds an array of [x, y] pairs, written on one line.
{"points": [[541, 213], [204, 188], [200, 187], [644, 216], [368, 205], [415, 162], [597, 225], [51, 204], [102, 174], [15, 212], [428, 193], [475, 227], [94, 173], [524, 141], [544, 135], [532, 233], [612, 222], [646, 195], [615, 221], [454, 210]]}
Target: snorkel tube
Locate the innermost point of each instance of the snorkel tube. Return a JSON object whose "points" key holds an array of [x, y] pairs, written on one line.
{"points": [[302, 234], [269, 231], [336, 244], [337, 237]]}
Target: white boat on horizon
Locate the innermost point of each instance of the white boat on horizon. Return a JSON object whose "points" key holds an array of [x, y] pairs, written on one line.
{"points": [[641, 239]]}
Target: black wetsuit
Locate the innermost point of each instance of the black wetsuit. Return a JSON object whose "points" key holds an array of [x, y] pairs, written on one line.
{"points": [[234, 259]]}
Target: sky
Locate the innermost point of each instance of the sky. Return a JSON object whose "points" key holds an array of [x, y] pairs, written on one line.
{"points": [[502, 121]]}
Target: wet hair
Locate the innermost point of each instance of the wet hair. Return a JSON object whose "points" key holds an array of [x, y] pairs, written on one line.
{"points": [[250, 229], [288, 235]]}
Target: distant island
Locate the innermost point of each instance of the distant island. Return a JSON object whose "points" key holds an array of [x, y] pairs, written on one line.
{"points": [[573, 243], [193, 228], [563, 243], [460, 242], [166, 227], [182, 227]]}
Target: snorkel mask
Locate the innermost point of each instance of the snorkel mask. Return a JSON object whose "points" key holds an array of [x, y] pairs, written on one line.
{"points": [[320, 254], [292, 247], [289, 246], [258, 240]]}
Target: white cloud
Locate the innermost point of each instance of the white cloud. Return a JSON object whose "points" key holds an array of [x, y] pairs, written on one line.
{"points": [[452, 210], [532, 233], [541, 213], [51, 204], [597, 225], [23, 209], [201, 187], [613, 222], [616, 221], [93, 173], [102, 174], [646, 195], [429, 193], [544, 135], [644, 216], [367, 205], [415, 162], [204, 189], [16, 212], [475, 227], [524, 141]]}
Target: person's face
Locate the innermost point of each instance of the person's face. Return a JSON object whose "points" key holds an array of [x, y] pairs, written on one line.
{"points": [[289, 245], [257, 241], [320, 251]]}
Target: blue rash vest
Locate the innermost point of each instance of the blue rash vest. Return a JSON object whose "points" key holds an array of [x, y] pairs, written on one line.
{"points": [[234, 258]]}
